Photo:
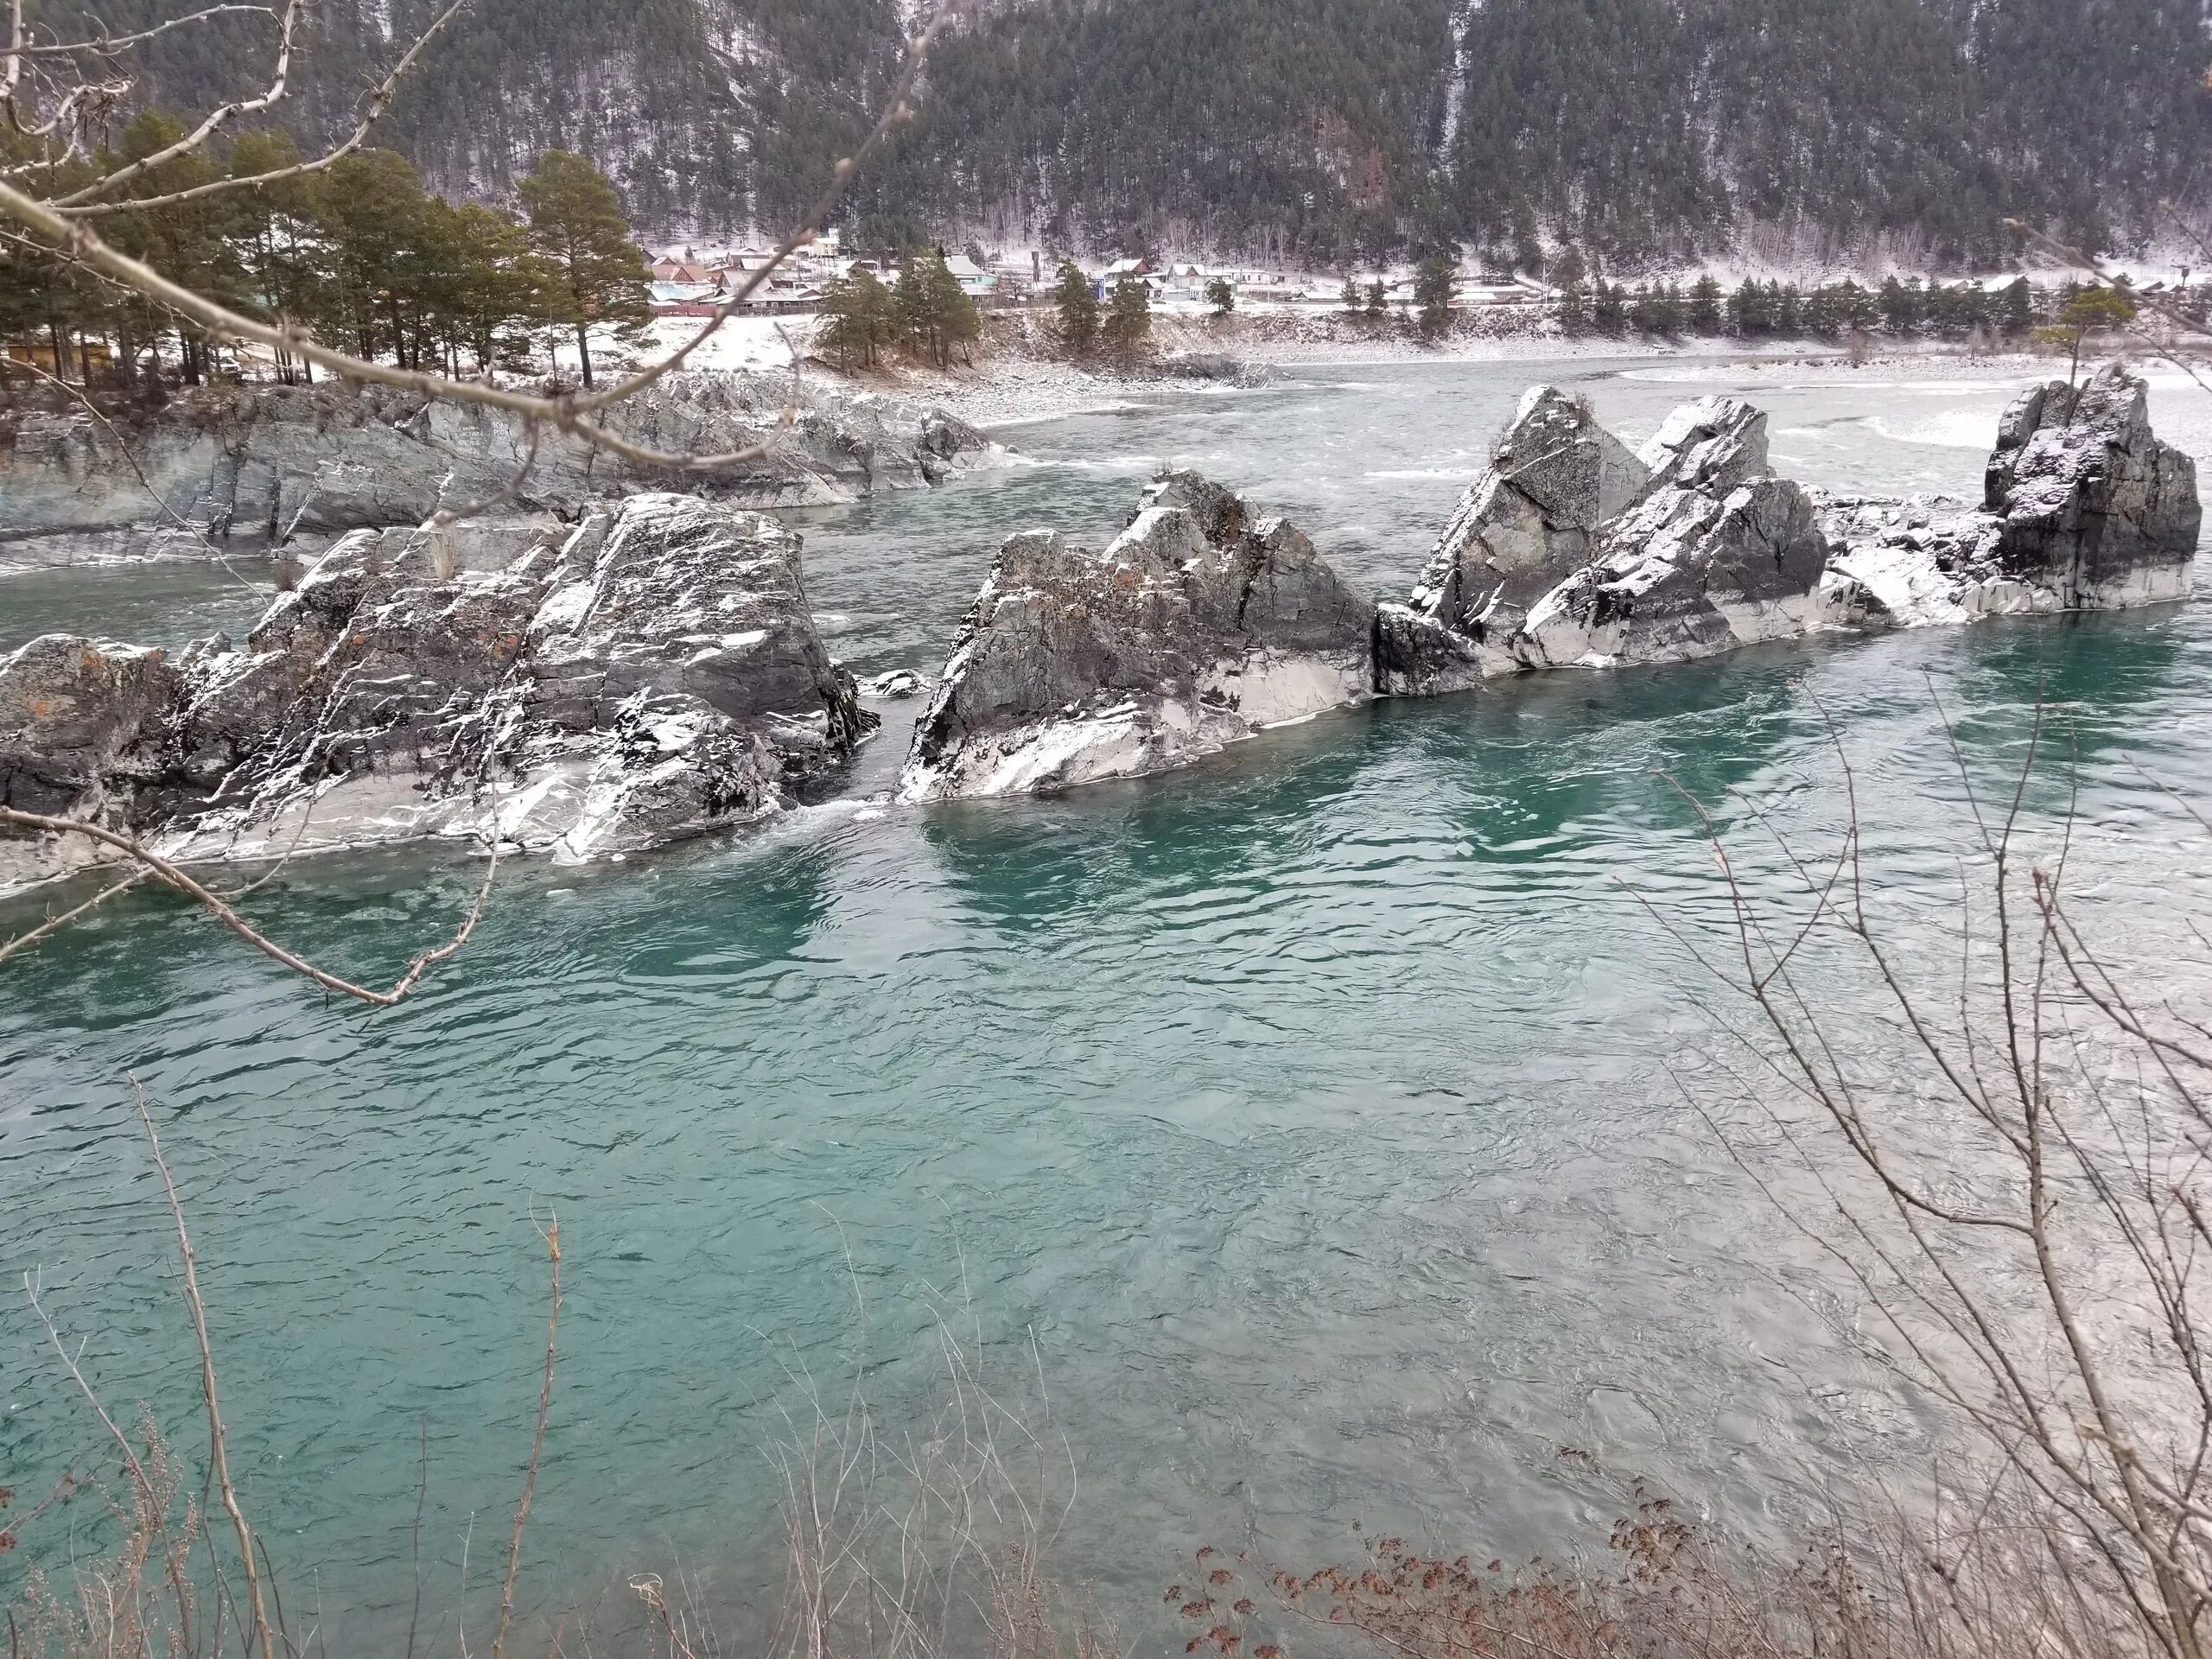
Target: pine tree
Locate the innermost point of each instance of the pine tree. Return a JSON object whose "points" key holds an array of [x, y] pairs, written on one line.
{"points": [[1705, 306], [1748, 314], [1128, 315], [862, 318], [1350, 297], [1077, 304], [576, 221], [1378, 298], [1575, 306], [1433, 283], [1221, 295]]}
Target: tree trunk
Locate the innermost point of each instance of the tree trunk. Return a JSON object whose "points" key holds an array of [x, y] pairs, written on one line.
{"points": [[583, 350]]}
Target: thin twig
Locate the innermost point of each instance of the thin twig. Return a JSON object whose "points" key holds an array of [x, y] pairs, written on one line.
{"points": [[218, 1457], [551, 1234], [221, 909]]}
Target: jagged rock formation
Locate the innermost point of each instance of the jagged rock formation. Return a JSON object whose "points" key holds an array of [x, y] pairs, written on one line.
{"points": [[1715, 444], [1717, 553], [656, 672], [653, 674], [1196, 626], [84, 729], [2084, 508], [262, 462], [1525, 525]]}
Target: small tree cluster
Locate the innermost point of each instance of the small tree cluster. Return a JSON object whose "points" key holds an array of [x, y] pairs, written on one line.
{"points": [[1759, 310], [361, 255], [935, 313]]}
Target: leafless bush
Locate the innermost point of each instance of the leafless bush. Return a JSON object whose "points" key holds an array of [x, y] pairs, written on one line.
{"points": [[2012, 1168], [1667, 1588], [924, 1542], [932, 1541]]}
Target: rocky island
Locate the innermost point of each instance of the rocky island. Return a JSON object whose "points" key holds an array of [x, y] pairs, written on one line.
{"points": [[1569, 551], [654, 671]]}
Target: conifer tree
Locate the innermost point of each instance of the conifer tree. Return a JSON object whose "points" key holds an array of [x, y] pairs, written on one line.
{"points": [[1704, 315], [1078, 308], [1128, 324], [862, 318], [576, 220], [1432, 288]]}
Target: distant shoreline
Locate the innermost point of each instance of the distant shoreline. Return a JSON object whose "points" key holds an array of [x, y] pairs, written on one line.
{"points": [[1008, 390]]}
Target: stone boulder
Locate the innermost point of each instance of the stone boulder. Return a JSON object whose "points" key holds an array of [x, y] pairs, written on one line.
{"points": [[85, 729], [2083, 508], [1196, 626], [1687, 573], [2092, 507], [1717, 553], [1525, 524], [1713, 444], [651, 674]]}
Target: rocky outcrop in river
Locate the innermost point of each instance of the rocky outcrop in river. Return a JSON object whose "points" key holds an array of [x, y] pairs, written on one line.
{"points": [[1568, 552], [2083, 508], [1196, 626], [651, 674], [655, 671], [260, 463]]}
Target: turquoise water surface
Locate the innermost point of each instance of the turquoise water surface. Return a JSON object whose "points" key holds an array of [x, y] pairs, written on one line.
{"points": [[1308, 1119]]}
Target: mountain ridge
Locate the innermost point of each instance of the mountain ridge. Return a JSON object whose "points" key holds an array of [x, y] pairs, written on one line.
{"points": [[1317, 130]]}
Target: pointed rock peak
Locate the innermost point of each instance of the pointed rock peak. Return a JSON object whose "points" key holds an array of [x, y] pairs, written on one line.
{"points": [[2111, 407], [1716, 444], [1557, 454], [1220, 512]]}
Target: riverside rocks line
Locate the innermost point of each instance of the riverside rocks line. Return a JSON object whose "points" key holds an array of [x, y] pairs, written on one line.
{"points": [[250, 467], [655, 672]]}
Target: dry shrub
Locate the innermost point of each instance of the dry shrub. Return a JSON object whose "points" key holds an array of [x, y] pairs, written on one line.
{"points": [[935, 1540], [138, 1599], [1671, 1588]]}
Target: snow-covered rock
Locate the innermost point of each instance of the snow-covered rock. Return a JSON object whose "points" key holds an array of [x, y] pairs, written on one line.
{"points": [[2084, 508], [1525, 525], [1713, 444], [1687, 573], [1198, 626], [651, 674], [894, 686]]}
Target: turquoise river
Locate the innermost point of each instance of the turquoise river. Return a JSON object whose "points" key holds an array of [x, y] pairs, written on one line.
{"points": [[1303, 1132]]}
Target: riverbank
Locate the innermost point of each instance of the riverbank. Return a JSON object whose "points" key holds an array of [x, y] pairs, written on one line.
{"points": [[1019, 375]]}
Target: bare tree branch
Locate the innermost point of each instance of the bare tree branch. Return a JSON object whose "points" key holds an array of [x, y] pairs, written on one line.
{"points": [[216, 905], [373, 105]]}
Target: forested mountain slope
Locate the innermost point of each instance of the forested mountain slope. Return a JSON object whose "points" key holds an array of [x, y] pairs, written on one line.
{"points": [[1327, 128]]}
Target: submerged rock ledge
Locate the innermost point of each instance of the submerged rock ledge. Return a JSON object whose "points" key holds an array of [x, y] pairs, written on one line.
{"points": [[655, 672], [1195, 628]]}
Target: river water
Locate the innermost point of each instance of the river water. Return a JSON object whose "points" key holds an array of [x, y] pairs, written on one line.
{"points": [[1301, 1129]]}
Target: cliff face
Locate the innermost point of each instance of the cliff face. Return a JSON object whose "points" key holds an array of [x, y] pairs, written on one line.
{"points": [[261, 463]]}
